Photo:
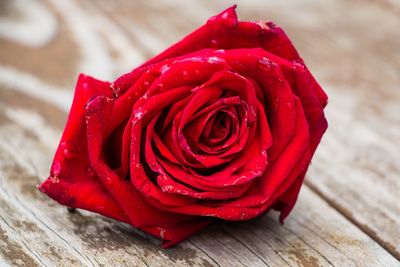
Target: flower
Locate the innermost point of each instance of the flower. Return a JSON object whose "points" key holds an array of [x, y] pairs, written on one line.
{"points": [[222, 124]]}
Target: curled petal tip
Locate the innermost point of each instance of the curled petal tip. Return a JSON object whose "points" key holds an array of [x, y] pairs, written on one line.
{"points": [[229, 13]]}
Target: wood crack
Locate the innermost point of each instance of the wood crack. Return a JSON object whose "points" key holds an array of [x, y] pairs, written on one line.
{"points": [[347, 214]]}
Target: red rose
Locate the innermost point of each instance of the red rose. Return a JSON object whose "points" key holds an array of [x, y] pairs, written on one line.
{"points": [[222, 124]]}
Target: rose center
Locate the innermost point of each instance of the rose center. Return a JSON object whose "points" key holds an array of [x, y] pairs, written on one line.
{"points": [[217, 129]]}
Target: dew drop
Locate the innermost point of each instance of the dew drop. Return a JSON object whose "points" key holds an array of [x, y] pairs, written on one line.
{"points": [[264, 153], [139, 115], [265, 64], [225, 15], [185, 74], [192, 59], [55, 169], [146, 83], [85, 86], [145, 96], [164, 69], [257, 173], [166, 188], [214, 60], [214, 42], [54, 179], [67, 154], [296, 65]]}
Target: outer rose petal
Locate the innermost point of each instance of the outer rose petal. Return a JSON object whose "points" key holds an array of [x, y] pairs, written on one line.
{"points": [[71, 180], [307, 90], [225, 31]]}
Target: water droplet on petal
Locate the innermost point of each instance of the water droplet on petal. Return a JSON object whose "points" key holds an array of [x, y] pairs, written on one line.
{"points": [[225, 15], [67, 154], [164, 68], [214, 42], [185, 74], [257, 173], [139, 115], [146, 83], [54, 179], [265, 64], [56, 168], [191, 59], [214, 60], [264, 153], [115, 90], [145, 96], [297, 65]]}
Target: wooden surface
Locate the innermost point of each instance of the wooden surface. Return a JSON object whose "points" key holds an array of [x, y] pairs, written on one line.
{"points": [[348, 213]]}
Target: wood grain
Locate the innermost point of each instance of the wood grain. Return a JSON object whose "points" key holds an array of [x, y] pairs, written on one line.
{"points": [[348, 212]]}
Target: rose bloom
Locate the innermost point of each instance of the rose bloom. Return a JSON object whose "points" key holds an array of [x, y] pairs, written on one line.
{"points": [[222, 124]]}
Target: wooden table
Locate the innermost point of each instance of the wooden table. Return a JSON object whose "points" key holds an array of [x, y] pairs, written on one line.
{"points": [[348, 213]]}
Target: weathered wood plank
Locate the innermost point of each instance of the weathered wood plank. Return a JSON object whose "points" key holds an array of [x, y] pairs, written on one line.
{"points": [[315, 235]]}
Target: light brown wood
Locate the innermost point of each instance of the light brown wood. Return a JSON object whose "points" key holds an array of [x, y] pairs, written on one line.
{"points": [[348, 212]]}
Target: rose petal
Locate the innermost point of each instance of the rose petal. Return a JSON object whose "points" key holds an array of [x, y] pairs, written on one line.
{"points": [[72, 182]]}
